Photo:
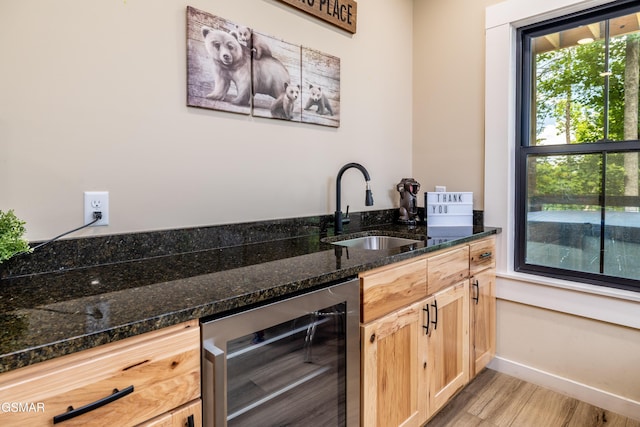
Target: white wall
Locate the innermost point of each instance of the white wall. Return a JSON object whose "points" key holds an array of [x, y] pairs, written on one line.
{"points": [[448, 99], [93, 97], [572, 337]]}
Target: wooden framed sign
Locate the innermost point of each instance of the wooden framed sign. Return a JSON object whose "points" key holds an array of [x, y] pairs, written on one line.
{"points": [[341, 13]]}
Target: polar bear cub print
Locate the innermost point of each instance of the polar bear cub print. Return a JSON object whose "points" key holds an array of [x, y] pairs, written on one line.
{"points": [[320, 100], [282, 107]]}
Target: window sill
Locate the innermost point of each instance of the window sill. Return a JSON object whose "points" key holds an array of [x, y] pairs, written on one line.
{"points": [[594, 302]]}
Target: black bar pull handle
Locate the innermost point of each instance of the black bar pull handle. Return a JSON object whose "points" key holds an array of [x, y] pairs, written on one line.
{"points": [[190, 421], [476, 285], [72, 413], [435, 306], [426, 327], [485, 255]]}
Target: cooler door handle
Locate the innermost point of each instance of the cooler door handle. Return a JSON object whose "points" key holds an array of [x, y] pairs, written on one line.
{"points": [[214, 368]]}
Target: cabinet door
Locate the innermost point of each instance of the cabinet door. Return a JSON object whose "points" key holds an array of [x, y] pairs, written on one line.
{"points": [[448, 344], [483, 320], [390, 369]]}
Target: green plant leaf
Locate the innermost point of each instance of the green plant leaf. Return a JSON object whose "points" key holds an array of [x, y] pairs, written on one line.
{"points": [[12, 231]]}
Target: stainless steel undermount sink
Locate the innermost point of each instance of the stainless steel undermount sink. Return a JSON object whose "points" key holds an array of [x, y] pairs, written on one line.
{"points": [[372, 241]]}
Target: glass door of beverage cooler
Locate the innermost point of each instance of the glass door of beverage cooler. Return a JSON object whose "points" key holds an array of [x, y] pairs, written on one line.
{"points": [[285, 364]]}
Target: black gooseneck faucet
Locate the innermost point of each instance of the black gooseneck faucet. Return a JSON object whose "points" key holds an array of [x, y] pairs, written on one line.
{"points": [[368, 201]]}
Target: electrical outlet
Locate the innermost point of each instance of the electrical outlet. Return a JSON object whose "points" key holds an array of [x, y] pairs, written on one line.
{"points": [[441, 189], [96, 201]]}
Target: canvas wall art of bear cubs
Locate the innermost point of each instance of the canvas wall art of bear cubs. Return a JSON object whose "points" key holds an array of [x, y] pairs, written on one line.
{"points": [[231, 62]]}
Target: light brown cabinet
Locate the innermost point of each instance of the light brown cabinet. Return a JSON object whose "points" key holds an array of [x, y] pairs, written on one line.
{"points": [[423, 336], [482, 290], [391, 371], [447, 345], [389, 333], [483, 320], [141, 378]]}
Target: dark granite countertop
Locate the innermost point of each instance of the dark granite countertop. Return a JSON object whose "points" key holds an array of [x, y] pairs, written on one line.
{"points": [[52, 313]]}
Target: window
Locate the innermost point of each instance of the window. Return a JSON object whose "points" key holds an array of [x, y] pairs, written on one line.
{"points": [[577, 175]]}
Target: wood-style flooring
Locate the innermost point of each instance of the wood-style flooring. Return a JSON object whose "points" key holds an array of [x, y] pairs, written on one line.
{"points": [[494, 399]]}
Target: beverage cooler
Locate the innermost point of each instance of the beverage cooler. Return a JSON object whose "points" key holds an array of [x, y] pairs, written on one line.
{"points": [[295, 362]]}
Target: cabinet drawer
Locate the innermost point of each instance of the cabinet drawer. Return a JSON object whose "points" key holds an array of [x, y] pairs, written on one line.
{"points": [[482, 255], [389, 288], [447, 268], [162, 367]]}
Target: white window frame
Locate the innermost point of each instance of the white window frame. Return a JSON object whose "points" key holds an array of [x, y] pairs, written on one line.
{"points": [[502, 21]]}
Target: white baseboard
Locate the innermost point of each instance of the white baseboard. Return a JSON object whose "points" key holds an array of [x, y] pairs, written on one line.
{"points": [[600, 398]]}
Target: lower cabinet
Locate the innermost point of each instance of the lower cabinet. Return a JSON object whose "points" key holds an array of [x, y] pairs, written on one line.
{"points": [[419, 348], [482, 305], [124, 383], [415, 359], [447, 341], [392, 375]]}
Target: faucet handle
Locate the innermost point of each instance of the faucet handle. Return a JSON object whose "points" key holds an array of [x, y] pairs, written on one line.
{"points": [[345, 218]]}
